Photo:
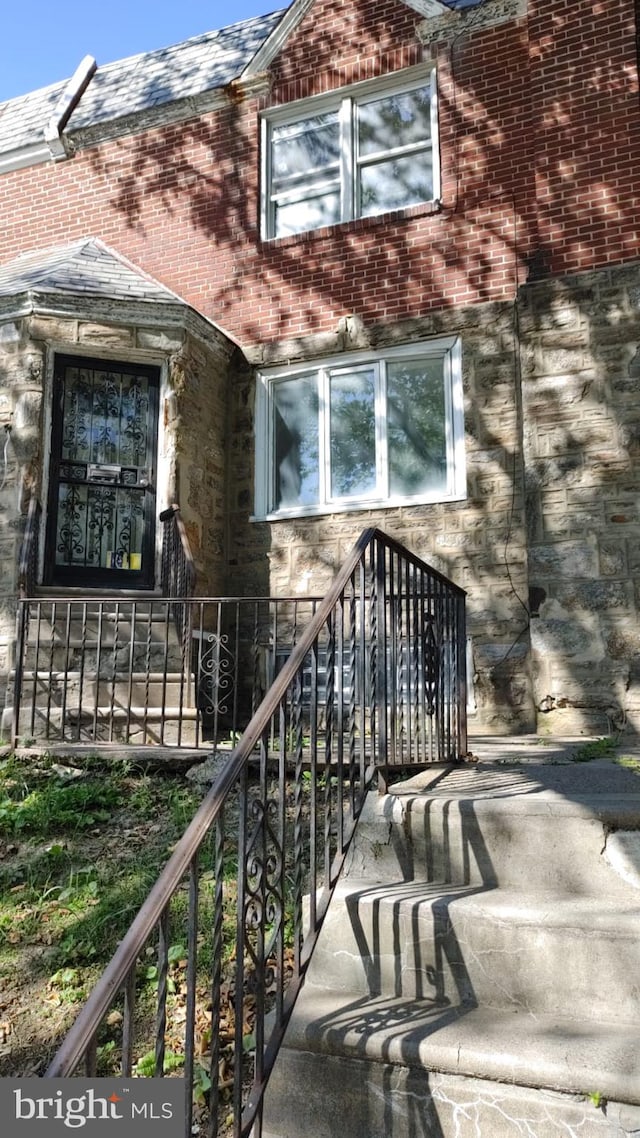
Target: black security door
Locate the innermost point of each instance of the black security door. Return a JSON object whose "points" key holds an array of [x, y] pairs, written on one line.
{"points": [[102, 492]]}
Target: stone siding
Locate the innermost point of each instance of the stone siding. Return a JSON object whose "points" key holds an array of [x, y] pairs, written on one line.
{"points": [[192, 433], [581, 410], [479, 542]]}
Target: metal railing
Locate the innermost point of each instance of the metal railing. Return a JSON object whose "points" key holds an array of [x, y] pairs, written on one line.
{"points": [[29, 550], [177, 572], [111, 670], [376, 677]]}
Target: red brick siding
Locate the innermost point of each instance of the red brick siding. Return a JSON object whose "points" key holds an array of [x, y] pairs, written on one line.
{"points": [[545, 107]]}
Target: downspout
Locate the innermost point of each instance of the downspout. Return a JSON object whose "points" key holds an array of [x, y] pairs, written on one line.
{"points": [[66, 105]]}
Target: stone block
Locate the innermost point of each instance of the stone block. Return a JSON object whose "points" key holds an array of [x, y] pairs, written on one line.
{"points": [[564, 559], [10, 333], [53, 329], [105, 335], [159, 340], [595, 596], [613, 559], [567, 639]]}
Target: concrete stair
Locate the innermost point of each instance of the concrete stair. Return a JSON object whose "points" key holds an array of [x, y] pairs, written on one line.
{"points": [[107, 673], [478, 972]]}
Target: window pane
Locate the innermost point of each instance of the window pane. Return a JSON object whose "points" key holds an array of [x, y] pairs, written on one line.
{"points": [[298, 217], [296, 442], [395, 184], [305, 146], [353, 434], [416, 427], [396, 120]]}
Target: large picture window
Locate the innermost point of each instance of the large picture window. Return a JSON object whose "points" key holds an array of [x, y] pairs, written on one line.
{"points": [[372, 430], [354, 154]]}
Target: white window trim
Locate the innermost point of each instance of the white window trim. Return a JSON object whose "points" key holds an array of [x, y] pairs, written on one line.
{"points": [[366, 91], [446, 348]]}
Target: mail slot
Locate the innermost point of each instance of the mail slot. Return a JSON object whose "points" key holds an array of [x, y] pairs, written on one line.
{"points": [[103, 472]]}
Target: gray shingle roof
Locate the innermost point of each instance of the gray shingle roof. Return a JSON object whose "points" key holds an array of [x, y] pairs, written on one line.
{"points": [[84, 268], [141, 82]]}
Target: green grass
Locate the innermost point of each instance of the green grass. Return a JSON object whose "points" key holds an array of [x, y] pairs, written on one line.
{"points": [[81, 856]]}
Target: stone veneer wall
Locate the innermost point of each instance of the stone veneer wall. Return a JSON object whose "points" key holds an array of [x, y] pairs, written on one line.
{"points": [[191, 437], [581, 409], [479, 543]]}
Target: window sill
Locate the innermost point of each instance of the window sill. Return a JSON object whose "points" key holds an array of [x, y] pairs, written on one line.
{"points": [[356, 225], [358, 507]]}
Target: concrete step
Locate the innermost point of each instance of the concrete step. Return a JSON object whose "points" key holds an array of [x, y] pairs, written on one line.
{"points": [[539, 829], [477, 972], [386, 1068], [133, 726], [498, 948], [43, 689]]}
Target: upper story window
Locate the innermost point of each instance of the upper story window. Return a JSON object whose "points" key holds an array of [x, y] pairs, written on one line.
{"points": [[361, 431], [356, 153]]}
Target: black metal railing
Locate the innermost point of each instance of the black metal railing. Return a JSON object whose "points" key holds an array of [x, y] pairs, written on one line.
{"points": [[375, 679], [125, 671], [28, 563], [177, 573]]}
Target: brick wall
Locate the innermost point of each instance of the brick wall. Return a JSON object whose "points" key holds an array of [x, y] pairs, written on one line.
{"points": [[542, 106]]}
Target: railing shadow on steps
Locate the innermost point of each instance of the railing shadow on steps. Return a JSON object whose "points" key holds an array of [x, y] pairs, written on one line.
{"points": [[245, 890]]}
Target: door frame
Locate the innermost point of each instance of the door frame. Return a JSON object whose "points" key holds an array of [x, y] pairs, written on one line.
{"points": [[77, 577]]}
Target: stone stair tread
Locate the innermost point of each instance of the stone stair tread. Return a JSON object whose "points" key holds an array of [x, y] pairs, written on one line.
{"points": [[581, 789], [591, 913], [568, 1055]]}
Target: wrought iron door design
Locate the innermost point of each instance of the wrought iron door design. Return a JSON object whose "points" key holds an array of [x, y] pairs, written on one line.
{"points": [[101, 517]]}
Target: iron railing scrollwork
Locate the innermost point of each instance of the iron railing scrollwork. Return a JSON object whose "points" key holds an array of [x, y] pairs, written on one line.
{"points": [[247, 887]]}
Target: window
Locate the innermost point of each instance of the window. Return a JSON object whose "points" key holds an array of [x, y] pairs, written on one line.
{"points": [[350, 155], [359, 432]]}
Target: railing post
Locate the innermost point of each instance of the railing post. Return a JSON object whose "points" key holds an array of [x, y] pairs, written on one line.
{"points": [[22, 625], [381, 654], [461, 684]]}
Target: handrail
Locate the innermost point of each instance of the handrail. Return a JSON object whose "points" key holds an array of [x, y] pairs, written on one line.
{"points": [[27, 572], [376, 621], [28, 560], [178, 576]]}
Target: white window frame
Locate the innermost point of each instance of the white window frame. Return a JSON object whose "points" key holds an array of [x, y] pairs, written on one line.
{"points": [[346, 101], [447, 349]]}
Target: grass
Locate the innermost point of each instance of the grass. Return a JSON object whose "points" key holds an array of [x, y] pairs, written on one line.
{"points": [[603, 748], [79, 851]]}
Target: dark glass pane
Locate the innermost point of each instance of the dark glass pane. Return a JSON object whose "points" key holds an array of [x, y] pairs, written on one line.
{"points": [[397, 120], [416, 427], [302, 147], [296, 442], [396, 184], [312, 213], [353, 435]]}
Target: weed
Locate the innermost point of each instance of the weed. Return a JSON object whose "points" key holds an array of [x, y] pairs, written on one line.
{"points": [[146, 1065], [57, 806], [629, 763], [595, 749]]}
